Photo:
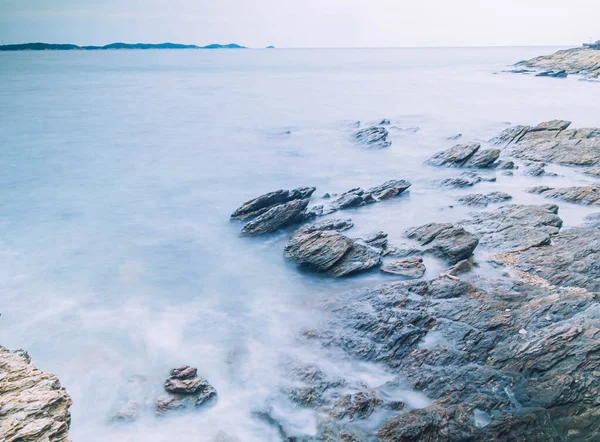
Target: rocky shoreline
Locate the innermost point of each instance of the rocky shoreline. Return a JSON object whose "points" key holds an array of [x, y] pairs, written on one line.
{"points": [[503, 345], [575, 61]]}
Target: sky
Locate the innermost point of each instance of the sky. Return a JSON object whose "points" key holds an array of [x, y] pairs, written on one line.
{"points": [[303, 23]]}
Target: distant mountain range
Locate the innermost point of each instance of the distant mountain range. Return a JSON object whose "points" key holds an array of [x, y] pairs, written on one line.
{"points": [[69, 47]]}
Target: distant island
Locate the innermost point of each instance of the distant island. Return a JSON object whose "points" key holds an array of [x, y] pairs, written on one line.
{"points": [[71, 47]]}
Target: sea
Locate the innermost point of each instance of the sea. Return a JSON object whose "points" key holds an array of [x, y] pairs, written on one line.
{"points": [[120, 170]]}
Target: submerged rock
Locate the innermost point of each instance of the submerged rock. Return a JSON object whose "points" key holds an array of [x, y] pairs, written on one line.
{"points": [[445, 241], [481, 200], [515, 226], [185, 390], [586, 195], [555, 74], [374, 136], [465, 179], [33, 405], [412, 268]]}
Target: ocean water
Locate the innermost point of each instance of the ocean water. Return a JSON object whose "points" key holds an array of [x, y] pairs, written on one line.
{"points": [[120, 170]]}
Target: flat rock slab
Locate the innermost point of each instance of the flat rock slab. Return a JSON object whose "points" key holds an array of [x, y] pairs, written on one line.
{"points": [[586, 195], [412, 268], [515, 226], [552, 142], [445, 241], [33, 405]]}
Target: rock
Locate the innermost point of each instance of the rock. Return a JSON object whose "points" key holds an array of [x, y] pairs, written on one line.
{"points": [[571, 61], [505, 165], [374, 136], [385, 122], [555, 74], [378, 240], [258, 206], [455, 156], [461, 267], [481, 200], [445, 241], [553, 142], [409, 129], [358, 197], [33, 405], [455, 137], [570, 261], [412, 268], [538, 170], [358, 405], [185, 390], [338, 225], [592, 220], [276, 217], [515, 226], [483, 159], [359, 258], [466, 179], [586, 195]]}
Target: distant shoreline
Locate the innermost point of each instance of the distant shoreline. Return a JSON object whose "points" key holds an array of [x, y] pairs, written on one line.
{"points": [[112, 46]]}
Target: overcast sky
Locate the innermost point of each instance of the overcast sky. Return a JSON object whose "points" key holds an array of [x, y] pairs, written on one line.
{"points": [[303, 23]]}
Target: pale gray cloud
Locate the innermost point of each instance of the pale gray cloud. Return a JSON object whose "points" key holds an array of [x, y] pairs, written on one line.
{"points": [[303, 23]]}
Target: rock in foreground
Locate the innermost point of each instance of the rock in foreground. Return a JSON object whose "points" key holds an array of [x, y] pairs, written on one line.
{"points": [[185, 390], [466, 155], [33, 405]]}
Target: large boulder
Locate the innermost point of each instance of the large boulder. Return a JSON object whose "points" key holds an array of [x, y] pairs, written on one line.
{"points": [[445, 241], [33, 405]]}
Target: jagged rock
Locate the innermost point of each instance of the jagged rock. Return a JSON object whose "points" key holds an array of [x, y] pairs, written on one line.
{"points": [[465, 155], [359, 258], [185, 390], [553, 142], [505, 165], [374, 136], [377, 239], [455, 137], [461, 267], [570, 261], [412, 268], [445, 241], [258, 206], [338, 225], [515, 226], [33, 405], [358, 197], [586, 195], [572, 61], [466, 179], [481, 200], [276, 217], [133, 400], [385, 122], [358, 405]]}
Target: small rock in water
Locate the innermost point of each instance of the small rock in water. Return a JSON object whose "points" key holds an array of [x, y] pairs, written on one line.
{"points": [[358, 405], [185, 389], [557, 74], [279, 216], [385, 122], [455, 137], [586, 195], [412, 268], [593, 220], [374, 136], [358, 197], [258, 206], [445, 241], [481, 200]]}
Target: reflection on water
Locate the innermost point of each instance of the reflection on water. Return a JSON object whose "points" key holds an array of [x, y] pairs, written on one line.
{"points": [[120, 172]]}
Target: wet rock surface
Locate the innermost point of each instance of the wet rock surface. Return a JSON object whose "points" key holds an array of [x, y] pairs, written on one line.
{"points": [[412, 268], [481, 200], [468, 155], [445, 241], [570, 61], [374, 136], [515, 226], [33, 405], [586, 195], [185, 389]]}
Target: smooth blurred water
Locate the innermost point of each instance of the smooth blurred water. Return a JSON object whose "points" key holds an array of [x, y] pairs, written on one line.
{"points": [[120, 170]]}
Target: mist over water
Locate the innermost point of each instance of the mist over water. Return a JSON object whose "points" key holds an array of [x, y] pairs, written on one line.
{"points": [[120, 171]]}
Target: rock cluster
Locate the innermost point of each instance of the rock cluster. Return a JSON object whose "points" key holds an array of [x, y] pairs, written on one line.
{"points": [[185, 389], [33, 405]]}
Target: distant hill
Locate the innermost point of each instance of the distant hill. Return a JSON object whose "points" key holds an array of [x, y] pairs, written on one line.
{"points": [[70, 47]]}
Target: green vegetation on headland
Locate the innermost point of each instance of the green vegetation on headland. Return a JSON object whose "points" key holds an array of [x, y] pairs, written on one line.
{"points": [[70, 47]]}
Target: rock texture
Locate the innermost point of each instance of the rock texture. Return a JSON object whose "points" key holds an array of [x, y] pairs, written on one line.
{"points": [[411, 268], [466, 155], [552, 142], [586, 195], [445, 241], [515, 226], [185, 389], [374, 136], [466, 179], [33, 405], [570, 61], [274, 210], [358, 197], [481, 200]]}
